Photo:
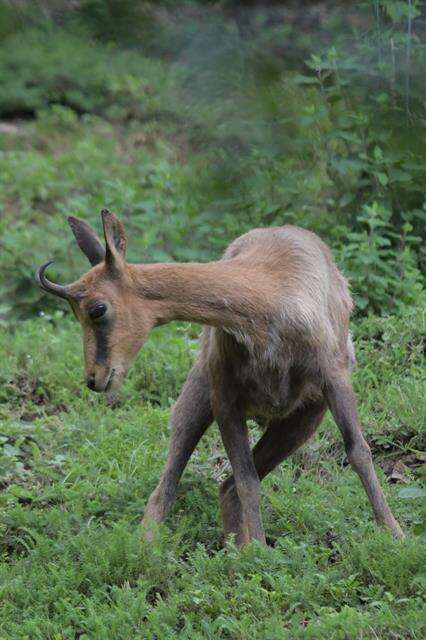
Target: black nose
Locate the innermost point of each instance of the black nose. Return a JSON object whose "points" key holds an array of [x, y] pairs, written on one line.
{"points": [[91, 382]]}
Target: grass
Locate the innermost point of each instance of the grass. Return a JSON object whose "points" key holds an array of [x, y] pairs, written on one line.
{"points": [[76, 474]]}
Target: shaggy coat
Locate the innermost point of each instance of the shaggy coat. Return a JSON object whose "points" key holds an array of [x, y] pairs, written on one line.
{"points": [[276, 347]]}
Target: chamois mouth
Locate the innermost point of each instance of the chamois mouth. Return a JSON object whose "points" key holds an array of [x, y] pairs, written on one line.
{"points": [[110, 380]]}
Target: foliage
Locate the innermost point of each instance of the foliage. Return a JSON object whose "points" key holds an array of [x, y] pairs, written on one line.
{"points": [[381, 263], [76, 475], [417, 493], [61, 165], [222, 137], [39, 68]]}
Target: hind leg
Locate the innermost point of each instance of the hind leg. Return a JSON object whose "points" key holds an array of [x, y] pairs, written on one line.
{"points": [[279, 441], [342, 402], [233, 429]]}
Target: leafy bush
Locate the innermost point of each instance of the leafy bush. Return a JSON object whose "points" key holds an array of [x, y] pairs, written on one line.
{"points": [[40, 67], [223, 137], [382, 264]]}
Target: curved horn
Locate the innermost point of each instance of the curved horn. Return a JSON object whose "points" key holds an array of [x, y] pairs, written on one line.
{"points": [[50, 287]]}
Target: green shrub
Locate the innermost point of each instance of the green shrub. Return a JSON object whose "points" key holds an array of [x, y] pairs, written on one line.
{"points": [[40, 67], [226, 137], [381, 264]]}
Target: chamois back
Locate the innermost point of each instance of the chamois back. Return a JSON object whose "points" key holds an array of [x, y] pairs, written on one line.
{"points": [[311, 297]]}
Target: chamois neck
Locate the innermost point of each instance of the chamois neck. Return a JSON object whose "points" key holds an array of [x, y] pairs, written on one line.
{"points": [[223, 294]]}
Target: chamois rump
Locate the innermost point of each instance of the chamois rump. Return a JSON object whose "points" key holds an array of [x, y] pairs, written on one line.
{"points": [[276, 347]]}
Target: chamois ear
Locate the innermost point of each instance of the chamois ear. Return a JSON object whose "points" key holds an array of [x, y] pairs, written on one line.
{"points": [[87, 240], [115, 240]]}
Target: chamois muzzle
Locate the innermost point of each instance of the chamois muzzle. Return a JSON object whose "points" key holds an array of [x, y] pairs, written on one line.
{"points": [[50, 287]]}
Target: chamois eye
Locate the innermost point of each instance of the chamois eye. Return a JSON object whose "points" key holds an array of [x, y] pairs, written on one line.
{"points": [[98, 311]]}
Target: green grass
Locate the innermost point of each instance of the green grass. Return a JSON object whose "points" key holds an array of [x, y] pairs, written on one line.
{"points": [[76, 474]]}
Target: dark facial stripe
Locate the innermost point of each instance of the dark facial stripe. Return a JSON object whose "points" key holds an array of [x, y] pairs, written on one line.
{"points": [[101, 336]]}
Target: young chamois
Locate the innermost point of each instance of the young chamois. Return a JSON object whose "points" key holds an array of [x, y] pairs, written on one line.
{"points": [[276, 347]]}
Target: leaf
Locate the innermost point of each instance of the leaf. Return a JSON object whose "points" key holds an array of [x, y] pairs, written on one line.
{"points": [[396, 175], [382, 177], [412, 493], [361, 302], [346, 199], [299, 79], [420, 529], [334, 98], [378, 153], [10, 451]]}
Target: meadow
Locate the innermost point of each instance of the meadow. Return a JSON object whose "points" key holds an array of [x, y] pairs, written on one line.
{"points": [[92, 119]]}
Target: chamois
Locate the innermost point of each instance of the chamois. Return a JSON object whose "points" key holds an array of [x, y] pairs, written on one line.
{"points": [[276, 347]]}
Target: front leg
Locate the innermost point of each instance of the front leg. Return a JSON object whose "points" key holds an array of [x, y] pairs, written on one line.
{"points": [[191, 415], [232, 424]]}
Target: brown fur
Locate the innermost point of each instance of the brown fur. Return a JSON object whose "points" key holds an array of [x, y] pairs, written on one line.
{"points": [[276, 346]]}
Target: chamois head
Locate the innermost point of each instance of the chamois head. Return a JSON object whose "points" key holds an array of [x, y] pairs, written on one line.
{"points": [[114, 320]]}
